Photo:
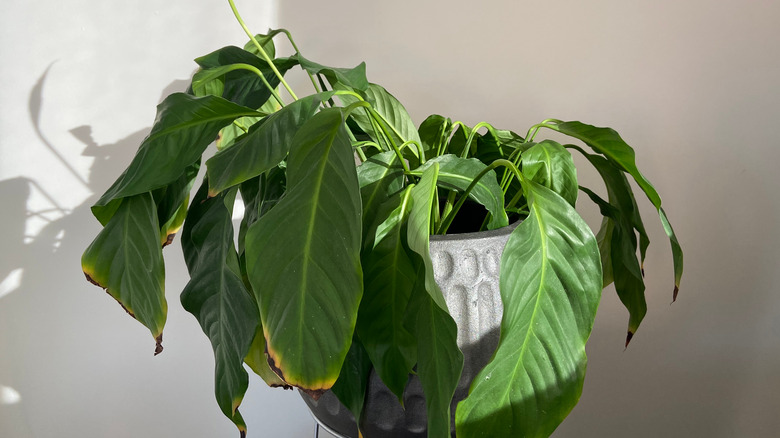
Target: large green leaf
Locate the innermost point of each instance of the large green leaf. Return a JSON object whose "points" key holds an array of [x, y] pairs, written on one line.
{"points": [[388, 277], [125, 259], [551, 165], [354, 78], [458, 173], [617, 245], [550, 285], [184, 127], [240, 86], [303, 258], [264, 147], [439, 360], [609, 143], [216, 296], [400, 124]]}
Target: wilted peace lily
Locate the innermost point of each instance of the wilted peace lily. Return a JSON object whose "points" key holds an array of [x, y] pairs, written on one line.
{"points": [[332, 274]]}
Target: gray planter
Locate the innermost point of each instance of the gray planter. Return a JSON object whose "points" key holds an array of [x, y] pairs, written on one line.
{"points": [[466, 267]]}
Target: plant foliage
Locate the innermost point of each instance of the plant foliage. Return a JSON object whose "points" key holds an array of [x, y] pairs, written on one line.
{"points": [[332, 275]]}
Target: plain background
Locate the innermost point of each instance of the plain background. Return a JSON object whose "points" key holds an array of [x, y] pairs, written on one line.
{"points": [[692, 85]]}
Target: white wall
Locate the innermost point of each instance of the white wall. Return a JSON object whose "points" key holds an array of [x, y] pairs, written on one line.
{"points": [[693, 85]]}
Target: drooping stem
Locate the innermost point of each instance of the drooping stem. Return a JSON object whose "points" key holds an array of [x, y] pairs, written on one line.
{"points": [[261, 50], [295, 47], [253, 69], [473, 134]]}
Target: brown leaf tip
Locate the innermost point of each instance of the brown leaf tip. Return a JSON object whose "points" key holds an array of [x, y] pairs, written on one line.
{"points": [[629, 336], [168, 240], [243, 433], [159, 348], [674, 294], [91, 280]]}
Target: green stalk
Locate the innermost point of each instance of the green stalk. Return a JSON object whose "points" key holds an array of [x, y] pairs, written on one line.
{"points": [[295, 47], [261, 50], [447, 221], [474, 134]]}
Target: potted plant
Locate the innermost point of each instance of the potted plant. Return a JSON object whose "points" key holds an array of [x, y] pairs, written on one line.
{"points": [[332, 275]]}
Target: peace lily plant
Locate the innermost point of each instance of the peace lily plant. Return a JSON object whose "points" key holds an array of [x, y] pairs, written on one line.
{"points": [[332, 276]]}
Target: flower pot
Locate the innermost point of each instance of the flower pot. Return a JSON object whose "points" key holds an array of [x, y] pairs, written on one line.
{"points": [[466, 267]]}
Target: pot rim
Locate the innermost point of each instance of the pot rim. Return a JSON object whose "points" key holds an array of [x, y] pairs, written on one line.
{"points": [[476, 235]]}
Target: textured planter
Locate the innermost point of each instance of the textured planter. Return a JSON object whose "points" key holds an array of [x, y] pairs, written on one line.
{"points": [[466, 267]]}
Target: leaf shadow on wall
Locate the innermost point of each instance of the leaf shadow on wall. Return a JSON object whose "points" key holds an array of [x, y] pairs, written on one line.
{"points": [[49, 320]]}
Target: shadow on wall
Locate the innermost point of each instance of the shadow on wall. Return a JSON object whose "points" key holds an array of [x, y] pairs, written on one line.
{"points": [[39, 269]]}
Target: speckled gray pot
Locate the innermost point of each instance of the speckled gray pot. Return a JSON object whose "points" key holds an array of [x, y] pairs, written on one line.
{"points": [[466, 267]]}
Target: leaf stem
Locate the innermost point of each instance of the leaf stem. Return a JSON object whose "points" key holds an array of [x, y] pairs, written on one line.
{"points": [[447, 221], [261, 50]]}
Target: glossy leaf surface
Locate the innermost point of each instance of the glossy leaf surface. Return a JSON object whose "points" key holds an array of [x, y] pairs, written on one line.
{"points": [[184, 127], [550, 285], [263, 147], [379, 177], [551, 165], [303, 258], [609, 143], [350, 387], [400, 125], [458, 173], [388, 278], [216, 296], [125, 259], [439, 360]]}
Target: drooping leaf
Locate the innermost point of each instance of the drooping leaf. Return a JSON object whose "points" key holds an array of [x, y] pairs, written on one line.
{"points": [[303, 258], [388, 277], [125, 259], [263, 147], [400, 125], [550, 282], [551, 165], [354, 78], [240, 86], [617, 245], [257, 361], [439, 360], [458, 173], [172, 201], [216, 296], [350, 387], [266, 41], [609, 143], [184, 127]]}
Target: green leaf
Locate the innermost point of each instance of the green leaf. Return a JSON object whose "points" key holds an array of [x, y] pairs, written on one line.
{"points": [[550, 284], [439, 360], [257, 361], [379, 177], [265, 145], [230, 133], [125, 259], [350, 387], [551, 165], [266, 42], [388, 277], [617, 245], [608, 142], [303, 258], [458, 173], [354, 78], [184, 127], [216, 296], [260, 194], [240, 86], [172, 201], [432, 132], [401, 127]]}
